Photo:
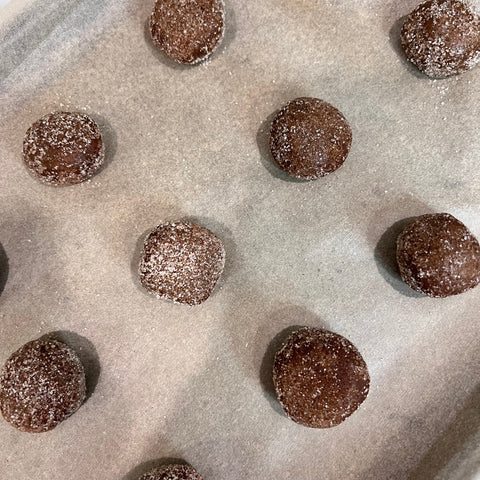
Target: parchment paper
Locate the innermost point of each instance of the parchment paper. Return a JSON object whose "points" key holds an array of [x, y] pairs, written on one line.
{"points": [[172, 382]]}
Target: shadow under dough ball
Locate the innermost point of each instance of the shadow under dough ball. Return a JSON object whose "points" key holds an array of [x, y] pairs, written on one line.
{"points": [[188, 31], [438, 256], [442, 37], [181, 262], [320, 378], [41, 384], [310, 138], [172, 472], [63, 148]]}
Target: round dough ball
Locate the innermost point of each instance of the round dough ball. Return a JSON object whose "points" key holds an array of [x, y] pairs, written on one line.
{"points": [[63, 148], [442, 37], [188, 31], [438, 256], [181, 262], [310, 138], [41, 384], [172, 472], [320, 378]]}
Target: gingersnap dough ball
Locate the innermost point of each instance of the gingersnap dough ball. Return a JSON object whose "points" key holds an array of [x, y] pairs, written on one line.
{"points": [[442, 37], [188, 31], [309, 138], [41, 384], [172, 472], [320, 378], [63, 148], [181, 262], [438, 256]]}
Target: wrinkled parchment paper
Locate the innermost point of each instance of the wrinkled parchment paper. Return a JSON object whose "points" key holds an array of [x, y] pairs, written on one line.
{"points": [[171, 382]]}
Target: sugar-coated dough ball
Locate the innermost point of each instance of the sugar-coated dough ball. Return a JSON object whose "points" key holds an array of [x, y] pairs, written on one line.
{"points": [[181, 262], [41, 384], [188, 31], [320, 378], [310, 138], [442, 37], [172, 472], [438, 256], [63, 148]]}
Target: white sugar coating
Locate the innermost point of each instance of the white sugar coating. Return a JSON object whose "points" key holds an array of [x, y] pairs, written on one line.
{"points": [[172, 472], [309, 138], [320, 378], [437, 255], [63, 148], [473, 6], [41, 384], [181, 262], [442, 37], [176, 31]]}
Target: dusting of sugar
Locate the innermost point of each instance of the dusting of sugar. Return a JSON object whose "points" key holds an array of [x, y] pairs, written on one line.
{"points": [[309, 138], [438, 256], [181, 262], [172, 472], [41, 384], [63, 148], [442, 37], [188, 31], [320, 378]]}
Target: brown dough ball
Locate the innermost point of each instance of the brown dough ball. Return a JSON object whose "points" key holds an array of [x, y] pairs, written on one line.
{"points": [[188, 31], [438, 256], [41, 384], [172, 472], [63, 148], [442, 37], [320, 378], [181, 262], [310, 138]]}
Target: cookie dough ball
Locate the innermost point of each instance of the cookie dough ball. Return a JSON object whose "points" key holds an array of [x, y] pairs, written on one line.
{"points": [[442, 37], [438, 256], [181, 262], [63, 148], [320, 378], [310, 138], [41, 384], [172, 472], [188, 31]]}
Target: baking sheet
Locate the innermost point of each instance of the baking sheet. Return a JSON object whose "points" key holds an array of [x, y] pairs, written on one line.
{"points": [[172, 382]]}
